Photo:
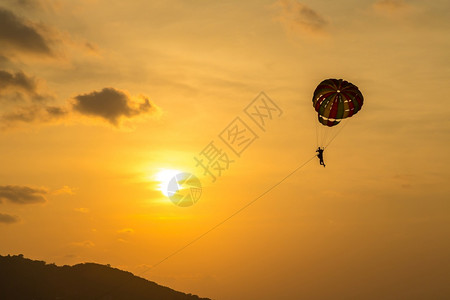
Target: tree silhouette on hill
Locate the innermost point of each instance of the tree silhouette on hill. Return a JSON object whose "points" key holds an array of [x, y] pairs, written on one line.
{"points": [[22, 278]]}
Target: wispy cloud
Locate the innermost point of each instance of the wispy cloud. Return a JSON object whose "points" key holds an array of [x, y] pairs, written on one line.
{"points": [[22, 194], [31, 114], [8, 219], [391, 6], [17, 80], [35, 4], [84, 244], [65, 190], [126, 231], [124, 234], [25, 101], [299, 18], [83, 210], [21, 85]]}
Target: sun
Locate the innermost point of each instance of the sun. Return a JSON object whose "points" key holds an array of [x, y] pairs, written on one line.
{"points": [[163, 178]]}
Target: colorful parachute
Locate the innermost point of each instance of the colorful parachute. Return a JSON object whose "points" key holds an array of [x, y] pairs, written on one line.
{"points": [[336, 99]]}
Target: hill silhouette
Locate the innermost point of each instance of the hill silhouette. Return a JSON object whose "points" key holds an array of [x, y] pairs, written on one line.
{"points": [[22, 278]]}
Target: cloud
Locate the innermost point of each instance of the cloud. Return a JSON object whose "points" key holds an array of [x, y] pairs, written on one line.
{"points": [[34, 5], [111, 104], [65, 190], [8, 219], [391, 6], [20, 37], [126, 231], [299, 18], [4, 61], [84, 244], [31, 114], [91, 48], [123, 235], [22, 194], [29, 4], [55, 111], [23, 101], [19, 84], [19, 80], [19, 34], [83, 210]]}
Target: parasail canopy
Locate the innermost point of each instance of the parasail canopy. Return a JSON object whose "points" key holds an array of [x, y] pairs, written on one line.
{"points": [[336, 99]]}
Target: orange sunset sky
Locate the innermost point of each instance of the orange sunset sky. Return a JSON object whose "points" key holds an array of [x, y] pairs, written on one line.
{"points": [[99, 99]]}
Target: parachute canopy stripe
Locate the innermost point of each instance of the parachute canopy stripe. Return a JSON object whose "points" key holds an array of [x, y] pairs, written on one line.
{"points": [[336, 99], [327, 122]]}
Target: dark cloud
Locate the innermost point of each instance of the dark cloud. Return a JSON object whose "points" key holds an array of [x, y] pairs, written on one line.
{"points": [[298, 17], [17, 80], [19, 34], [55, 111], [110, 104], [22, 194], [8, 219]]}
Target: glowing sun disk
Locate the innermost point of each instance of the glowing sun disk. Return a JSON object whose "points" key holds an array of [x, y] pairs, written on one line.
{"points": [[163, 177]]}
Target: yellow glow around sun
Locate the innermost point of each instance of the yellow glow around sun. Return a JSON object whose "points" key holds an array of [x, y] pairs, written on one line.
{"points": [[163, 177]]}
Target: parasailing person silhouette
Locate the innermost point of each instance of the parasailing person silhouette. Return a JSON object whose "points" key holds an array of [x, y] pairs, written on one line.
{"points": [[334, 100]]}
